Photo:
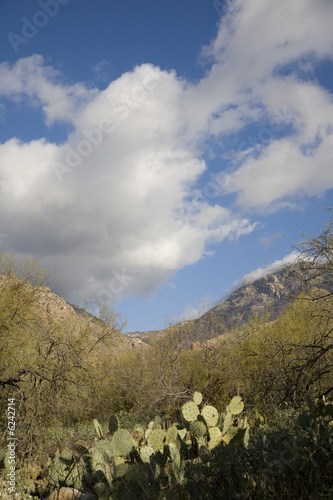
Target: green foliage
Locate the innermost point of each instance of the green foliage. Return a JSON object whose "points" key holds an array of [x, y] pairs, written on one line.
{"points": [[287, 460], [61, 372]]}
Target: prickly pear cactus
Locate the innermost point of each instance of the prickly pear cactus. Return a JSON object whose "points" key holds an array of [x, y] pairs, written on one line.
{"points": [[230, 434], [113, 424], [215, 437], [101, 491], [156, 439], [182, 433], [211, 415], [119, 467], [105, 448], [101, 458], [137, 434], [236, 405], [122, 442], [98, 429], [227, 422], [204, 454], [146, 453], [138, 465], [190, 411], [197, 398], [175, 458], [198, 429], [172, 435]]}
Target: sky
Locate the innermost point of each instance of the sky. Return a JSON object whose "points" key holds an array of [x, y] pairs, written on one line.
{"points": [[156, 154]]}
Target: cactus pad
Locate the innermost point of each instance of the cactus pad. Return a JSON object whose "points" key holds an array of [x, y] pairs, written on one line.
{"points": [[232, 432], [137, 434], [182, 433], [172, 435], [104, 449], [98, 429], [145, 453], [236, 405], [197, 397], [215, 437], [190, 411], [211, 415], [156, 439], [227, 423], [122, 442], [198, 429], [174, 455], [113, 424]]}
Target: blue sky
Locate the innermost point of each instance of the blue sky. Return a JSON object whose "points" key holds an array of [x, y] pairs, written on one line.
{"points": [[156, 153]]}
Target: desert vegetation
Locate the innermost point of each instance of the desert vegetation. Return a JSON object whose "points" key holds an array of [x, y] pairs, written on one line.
{"points": [[245, 414]]}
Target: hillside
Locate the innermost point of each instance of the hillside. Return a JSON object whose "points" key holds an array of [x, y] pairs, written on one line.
{"points": [[55, 307], [268, 295]]}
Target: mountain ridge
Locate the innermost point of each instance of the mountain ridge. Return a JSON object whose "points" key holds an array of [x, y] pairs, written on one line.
{"points": [[268, 295]]}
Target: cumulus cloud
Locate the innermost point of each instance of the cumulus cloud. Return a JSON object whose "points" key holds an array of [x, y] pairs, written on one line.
{"points": [[270, 268], [260, 272], [116, 207], [32, 81], [113, 208], [260, 58]]}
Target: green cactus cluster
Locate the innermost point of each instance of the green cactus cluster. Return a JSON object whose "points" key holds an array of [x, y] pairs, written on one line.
{"points": [[146, 462], [186, 459], [204, 427]]}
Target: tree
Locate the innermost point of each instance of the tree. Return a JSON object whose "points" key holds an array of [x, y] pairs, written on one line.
{"points": [[54, 367], [315, 270], [315, 261]]}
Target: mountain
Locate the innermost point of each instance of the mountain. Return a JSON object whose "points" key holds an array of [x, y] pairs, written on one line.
{"points": [[269, 295], [55, 307]]}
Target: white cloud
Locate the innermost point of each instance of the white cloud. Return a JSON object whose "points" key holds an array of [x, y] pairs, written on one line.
{"points": [[260, 272], [270, 268], [254, 77], [30, 79], [115, 207]]}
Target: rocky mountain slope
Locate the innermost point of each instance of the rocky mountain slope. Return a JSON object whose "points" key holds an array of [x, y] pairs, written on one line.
{"points": [[55, 307], [268, 295]]}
